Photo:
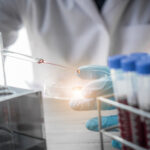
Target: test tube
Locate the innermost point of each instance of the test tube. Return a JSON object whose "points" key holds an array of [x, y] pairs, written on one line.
{"points": [[130, 77], [143, 86], [114, 63]]}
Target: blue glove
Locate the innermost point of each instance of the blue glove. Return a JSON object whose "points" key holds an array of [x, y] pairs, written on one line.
{"points": [[116, 144], [100, 85], [107, 121], [92, 72]]}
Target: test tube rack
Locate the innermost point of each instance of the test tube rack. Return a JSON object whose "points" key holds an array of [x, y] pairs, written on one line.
{"points": [[106, 131]]}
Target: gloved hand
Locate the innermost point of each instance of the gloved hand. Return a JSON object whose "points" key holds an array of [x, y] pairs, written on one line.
{"points": [[100, 85]]}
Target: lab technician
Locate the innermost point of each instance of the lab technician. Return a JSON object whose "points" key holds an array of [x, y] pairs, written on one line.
{"points": [[76, 32]]}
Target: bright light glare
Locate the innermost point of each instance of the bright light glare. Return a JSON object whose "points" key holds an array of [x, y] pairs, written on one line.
{"points": [[77, 92], [19, 73]]}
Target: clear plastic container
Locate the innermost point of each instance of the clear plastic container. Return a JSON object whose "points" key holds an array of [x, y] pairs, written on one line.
{"points": [[143, 87], [130, 77], [120, 95], [75, 86]]}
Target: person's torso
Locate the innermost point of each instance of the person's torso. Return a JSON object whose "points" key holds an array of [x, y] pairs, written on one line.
{"points": [[73, 33]]}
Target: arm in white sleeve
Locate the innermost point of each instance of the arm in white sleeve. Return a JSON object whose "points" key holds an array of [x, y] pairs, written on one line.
{"points": [[10, 21]]}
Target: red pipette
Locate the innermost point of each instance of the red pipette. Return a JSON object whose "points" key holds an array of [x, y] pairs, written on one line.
{"points": [[31, 59]]}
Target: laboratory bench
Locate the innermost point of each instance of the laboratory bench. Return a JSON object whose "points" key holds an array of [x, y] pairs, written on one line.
{"points": [[65, 128], [30, 122]]}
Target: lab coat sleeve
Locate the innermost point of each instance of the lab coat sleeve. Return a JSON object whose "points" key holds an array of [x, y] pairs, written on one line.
{"points": [[10, 21]]}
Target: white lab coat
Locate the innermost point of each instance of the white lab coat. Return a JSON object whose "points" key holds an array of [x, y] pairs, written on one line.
{"points": [[73, 33]]}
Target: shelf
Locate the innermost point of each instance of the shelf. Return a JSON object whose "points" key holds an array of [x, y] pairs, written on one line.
{"points": [[118, 138], [106, 131]]}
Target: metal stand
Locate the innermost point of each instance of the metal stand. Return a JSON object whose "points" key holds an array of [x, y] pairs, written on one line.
{"points": [[100, 124], [111, 135], [3, 60]]}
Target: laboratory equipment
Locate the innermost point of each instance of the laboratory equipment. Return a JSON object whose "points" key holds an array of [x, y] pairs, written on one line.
{"points": [[2, 66], [114, 63], [30, 58], [4, 89], [21, 113], [130, 77], [139, 54], [143, 71], [22, 120], [107, 131]]}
